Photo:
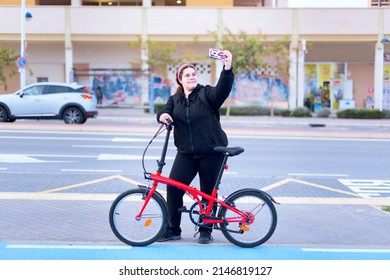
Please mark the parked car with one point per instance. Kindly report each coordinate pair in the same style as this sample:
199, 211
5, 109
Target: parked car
72, 103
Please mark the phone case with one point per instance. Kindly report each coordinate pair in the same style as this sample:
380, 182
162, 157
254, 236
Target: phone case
216, 54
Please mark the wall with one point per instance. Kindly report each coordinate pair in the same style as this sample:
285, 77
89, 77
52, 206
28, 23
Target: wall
18, 2
208, 3
362, 75
12, 80
99, 35
331, 25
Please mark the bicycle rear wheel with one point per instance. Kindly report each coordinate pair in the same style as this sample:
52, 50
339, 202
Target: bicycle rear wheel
140, 232
261, 218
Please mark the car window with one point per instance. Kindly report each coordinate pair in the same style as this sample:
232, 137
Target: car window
58, 89
35, 90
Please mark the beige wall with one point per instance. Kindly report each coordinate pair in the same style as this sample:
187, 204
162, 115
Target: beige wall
17, 2
362, 75
99, 35
12, 78
208, 3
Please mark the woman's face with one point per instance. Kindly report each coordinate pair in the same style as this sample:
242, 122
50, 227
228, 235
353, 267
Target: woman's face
189, 79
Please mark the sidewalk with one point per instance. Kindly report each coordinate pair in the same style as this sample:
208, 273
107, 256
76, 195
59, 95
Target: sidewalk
125, 120
269, 126
137, 114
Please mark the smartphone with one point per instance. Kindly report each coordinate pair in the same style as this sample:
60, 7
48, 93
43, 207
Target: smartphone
216, 54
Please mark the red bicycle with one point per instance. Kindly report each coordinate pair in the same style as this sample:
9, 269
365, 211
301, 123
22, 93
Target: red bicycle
247, 217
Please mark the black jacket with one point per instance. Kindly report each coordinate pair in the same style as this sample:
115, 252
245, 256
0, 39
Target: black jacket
197, 129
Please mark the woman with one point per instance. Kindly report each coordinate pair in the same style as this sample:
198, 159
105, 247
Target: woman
194, 110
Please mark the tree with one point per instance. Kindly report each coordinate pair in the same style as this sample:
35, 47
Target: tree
251, 53
254, 52
159, 54
7, 58
163, 54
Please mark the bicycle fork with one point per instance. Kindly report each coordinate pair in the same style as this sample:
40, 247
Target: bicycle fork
147, 196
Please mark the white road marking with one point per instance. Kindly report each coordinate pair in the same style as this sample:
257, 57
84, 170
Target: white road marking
345, 250
55, 138
307, 138
317, 174
127, 157
14, 158
112, 196
116, 147
368, 188
229, 173
57, 196
122, 139
92, 170
68, 247
31, 158
59, 156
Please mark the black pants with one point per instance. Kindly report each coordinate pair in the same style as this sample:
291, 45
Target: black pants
184, 170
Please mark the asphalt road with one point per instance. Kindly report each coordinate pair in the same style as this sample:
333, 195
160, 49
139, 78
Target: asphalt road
58, 182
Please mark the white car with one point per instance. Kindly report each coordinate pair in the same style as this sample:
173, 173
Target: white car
69, 102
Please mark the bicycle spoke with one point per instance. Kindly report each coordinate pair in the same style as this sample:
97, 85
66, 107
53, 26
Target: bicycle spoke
257, 227
133, 231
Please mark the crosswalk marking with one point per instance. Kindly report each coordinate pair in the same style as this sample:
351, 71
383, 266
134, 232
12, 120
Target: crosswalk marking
368, 188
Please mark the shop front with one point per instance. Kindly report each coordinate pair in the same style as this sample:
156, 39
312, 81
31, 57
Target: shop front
326, 87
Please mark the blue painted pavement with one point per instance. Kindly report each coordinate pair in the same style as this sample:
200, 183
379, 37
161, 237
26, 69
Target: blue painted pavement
54, 251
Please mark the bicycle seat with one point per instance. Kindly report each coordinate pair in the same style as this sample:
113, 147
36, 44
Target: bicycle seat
229, 151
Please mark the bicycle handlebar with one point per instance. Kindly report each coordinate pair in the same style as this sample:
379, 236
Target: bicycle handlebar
170, 124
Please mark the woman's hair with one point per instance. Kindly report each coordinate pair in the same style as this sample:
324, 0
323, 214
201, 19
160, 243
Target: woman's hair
179, 75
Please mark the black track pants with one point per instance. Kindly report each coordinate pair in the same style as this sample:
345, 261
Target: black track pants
184, 170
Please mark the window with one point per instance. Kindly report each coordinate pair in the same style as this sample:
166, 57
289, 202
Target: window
57, 89
380, 3
42, 79
35, 90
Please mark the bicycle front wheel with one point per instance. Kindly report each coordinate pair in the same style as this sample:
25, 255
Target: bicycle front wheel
133, 231
260, 221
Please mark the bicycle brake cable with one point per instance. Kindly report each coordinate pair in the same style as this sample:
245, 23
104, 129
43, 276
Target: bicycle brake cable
159, 131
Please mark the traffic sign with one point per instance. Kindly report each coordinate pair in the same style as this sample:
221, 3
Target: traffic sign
21, 62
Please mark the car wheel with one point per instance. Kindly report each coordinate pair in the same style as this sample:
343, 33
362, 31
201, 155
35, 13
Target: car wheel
3, 114
73, 115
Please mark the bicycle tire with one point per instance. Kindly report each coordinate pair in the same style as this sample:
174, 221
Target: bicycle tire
263, 225
138, 232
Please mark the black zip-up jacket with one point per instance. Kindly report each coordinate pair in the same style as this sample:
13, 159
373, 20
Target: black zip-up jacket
197, 129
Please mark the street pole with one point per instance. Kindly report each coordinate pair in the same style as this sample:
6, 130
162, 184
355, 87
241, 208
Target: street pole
378, 76
22, 70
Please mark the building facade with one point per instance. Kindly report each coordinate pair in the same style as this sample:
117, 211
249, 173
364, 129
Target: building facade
338, 57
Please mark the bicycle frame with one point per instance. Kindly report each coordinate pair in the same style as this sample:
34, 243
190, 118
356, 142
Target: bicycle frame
197, 196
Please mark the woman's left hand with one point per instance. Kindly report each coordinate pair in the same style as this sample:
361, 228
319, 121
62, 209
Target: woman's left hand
227, 61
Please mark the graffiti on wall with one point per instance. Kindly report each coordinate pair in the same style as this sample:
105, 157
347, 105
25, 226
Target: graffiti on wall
118, 89
122, 87
131, 87
259, 89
